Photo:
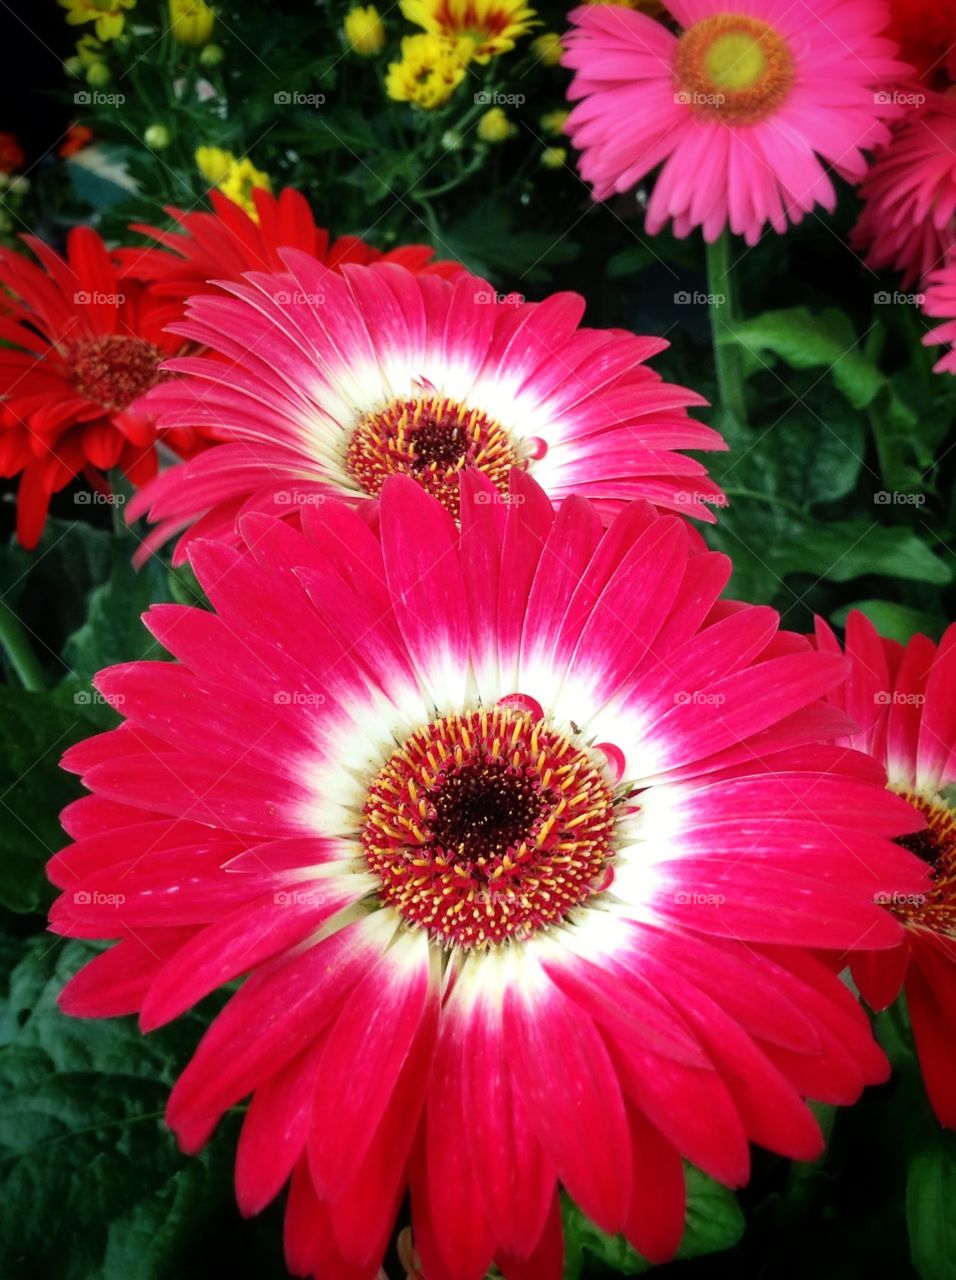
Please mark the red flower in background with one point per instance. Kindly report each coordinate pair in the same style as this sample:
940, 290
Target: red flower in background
925, 30
79, 348
11, 153
904, 700
78, 136
225, 244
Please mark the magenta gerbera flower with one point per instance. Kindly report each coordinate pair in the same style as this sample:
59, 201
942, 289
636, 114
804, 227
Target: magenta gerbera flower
904, 701
909, 212
746, 109
519, 834
332, 381
939, 303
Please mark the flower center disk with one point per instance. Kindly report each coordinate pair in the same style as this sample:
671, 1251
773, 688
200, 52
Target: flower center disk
936, 845
734, 68
488, 826
431, 439
114, 369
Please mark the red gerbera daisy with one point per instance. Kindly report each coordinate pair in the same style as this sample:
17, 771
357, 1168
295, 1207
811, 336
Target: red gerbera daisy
83, 348
519, 834
925, 30
11, 153
904, 700
223, 245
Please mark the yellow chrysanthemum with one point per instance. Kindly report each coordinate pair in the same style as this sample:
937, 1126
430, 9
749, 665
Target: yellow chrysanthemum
494, 126
481, 29
191, 22
554, 157
240, 182
547, 48
429, 72
214, 163
552, 122
108, 15
364, 30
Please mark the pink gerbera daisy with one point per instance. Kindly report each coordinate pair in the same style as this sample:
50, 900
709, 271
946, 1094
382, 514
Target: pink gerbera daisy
519, 834
910, 194
939, 303
331, 382
227, 242
904, 700
746, 108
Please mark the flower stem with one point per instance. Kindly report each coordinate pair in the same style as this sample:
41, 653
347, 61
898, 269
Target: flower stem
723, 318
13, 640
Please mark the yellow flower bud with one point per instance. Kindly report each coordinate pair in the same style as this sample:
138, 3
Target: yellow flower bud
494, 126
157, 137
98, 75
214, 163
547, 48
364, 30
191, 21
554, 157
552, 122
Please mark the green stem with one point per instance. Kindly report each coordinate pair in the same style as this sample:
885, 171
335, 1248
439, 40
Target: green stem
770, 499
723, 318
13, 639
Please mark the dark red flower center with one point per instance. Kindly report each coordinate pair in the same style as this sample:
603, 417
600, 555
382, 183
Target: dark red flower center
489, 826
733, 67
936, 845
114, 369
432, 439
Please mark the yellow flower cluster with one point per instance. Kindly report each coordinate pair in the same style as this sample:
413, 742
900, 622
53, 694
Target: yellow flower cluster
109, 15
235, 178
428, 74
456, 32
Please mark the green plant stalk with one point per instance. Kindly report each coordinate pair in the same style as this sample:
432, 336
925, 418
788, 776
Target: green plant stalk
723, 318
13, 639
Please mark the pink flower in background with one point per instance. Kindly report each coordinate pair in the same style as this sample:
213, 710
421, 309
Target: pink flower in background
520, 837
939, 303
746, 110
325, 383
909, 211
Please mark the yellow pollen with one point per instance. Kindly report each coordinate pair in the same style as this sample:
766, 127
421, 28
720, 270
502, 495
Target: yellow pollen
734, 68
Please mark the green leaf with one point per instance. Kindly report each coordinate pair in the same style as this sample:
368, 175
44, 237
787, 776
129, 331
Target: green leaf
850, 549
805, 340
892, 620
113, 630
714, 1222
931, 1209
35, 730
